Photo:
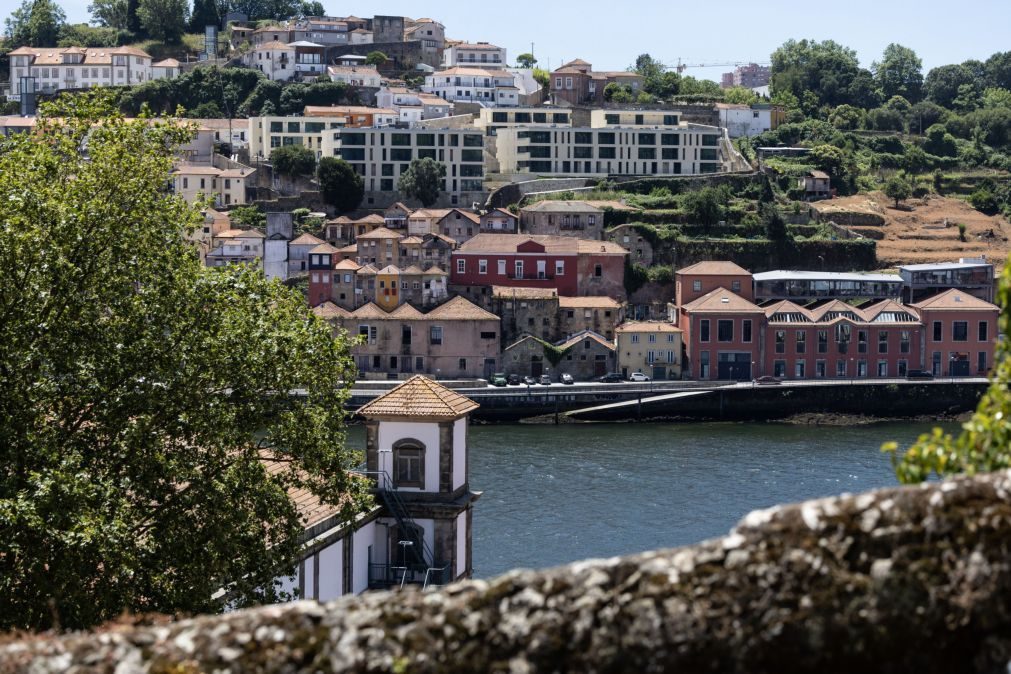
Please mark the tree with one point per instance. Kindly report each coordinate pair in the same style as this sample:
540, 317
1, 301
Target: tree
340, 184
825, 69
899, 73
311, 8
939, 142
293, 160
942, 83
205, 13
998, 70
898, 188
775, 225
164, 20
704, 207
423, 180
143, 394
995, 97
846, 117
248, 217
610, 90
542, 77
110, 13
830, 159
376, 58
740, 96
36, 23
526, 60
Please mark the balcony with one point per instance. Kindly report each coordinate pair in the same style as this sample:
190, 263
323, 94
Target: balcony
386, 576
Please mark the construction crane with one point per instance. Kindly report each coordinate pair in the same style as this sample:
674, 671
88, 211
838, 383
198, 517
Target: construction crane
681, 67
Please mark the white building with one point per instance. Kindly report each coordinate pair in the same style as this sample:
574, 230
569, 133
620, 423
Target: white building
476, 54
355, 76
490, 88
287, 61
413, 106
236, 246
314, 130
280, 232
60, 68
419, 533
225, 186
232, 131
748, 120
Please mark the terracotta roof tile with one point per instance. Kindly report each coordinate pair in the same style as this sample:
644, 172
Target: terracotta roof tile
459, 308
511, 292
647, 326
306, 240
714, 268
419, 397
722, 301
955, 299
380, 233
330, 310
588, 302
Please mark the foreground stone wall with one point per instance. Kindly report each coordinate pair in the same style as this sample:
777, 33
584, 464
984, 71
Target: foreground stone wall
900, 580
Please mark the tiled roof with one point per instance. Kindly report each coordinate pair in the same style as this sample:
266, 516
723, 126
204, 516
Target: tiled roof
788, 312
413, 269
349, 265
714, 268
406, 312
353, 248
306, 240
955, 299
412, 239
722, 301
460, 309
592, 302
380, 233
507, 243
370, 310
647, 326
343, 110
836, 307
324, 248
512, 292
241, 234
890, 311
436, 271
558, 206
473, 217
419, 397
329, 310
389, 270
586, 334
166, 63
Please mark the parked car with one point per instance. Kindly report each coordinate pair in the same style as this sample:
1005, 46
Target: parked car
611, 378
638, 377
919, 374
529, 381
514, 380
767, 380
546, 379
499, 379
567, 379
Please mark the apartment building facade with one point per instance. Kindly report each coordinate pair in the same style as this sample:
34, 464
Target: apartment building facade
491, 88
58, 68
314, 129
475, 54
653, 348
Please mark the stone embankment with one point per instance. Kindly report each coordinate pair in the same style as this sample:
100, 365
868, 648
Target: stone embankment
913, 579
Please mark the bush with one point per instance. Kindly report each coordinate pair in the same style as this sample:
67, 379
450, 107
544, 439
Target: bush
293, 160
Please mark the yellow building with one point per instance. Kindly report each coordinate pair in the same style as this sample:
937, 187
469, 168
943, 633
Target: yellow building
388, 288
650, 347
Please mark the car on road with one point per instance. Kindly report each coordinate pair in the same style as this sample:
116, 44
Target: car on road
529, 381
546, 379
567, 379
611, 378
514, 380
767, 380
499, 379
919, 374
638, 377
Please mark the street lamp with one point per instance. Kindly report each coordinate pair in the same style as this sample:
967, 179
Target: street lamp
853, 372
754, 375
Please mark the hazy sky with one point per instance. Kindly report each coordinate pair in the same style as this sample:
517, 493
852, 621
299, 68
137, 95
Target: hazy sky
611, 34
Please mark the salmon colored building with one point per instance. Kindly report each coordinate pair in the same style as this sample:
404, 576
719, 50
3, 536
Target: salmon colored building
960, 334
702, 278
722, 336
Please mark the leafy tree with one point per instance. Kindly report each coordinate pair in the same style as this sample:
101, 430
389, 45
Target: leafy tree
423, 180
376, 58
740, 96
968, 98
610, 90
542, 77
83, 35
825, 69
248, 217
644, 98
526, 60
885, 119
133, 17
775, 225
311, 8
939, 142
898, 188
995, 97
141, 392
111, 13
293, 160
36, 23
898, 104
705, 207
830, 159
622, 95
924, 115
998, 70
846, 117
205, 13
942, 83
340, 184
275, 10
899, 73
164, 20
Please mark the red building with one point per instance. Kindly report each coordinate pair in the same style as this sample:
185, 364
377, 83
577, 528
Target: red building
571, 266
722, 336
322, 260
702, 278
960, 334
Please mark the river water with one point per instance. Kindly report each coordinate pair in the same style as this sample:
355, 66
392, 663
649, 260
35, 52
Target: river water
557, 494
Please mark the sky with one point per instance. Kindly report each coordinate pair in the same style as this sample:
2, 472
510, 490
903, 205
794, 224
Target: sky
610, 35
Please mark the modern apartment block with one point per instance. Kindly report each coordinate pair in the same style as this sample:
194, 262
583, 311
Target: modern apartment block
748, 76
676, 149
493, 119
314, 130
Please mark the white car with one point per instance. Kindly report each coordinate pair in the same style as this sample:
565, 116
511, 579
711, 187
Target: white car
638, 376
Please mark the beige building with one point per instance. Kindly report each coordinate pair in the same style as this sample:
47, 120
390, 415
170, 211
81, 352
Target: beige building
563, 218
236, 246
60, 68
314, 130
492, 119
652, 348
227, 187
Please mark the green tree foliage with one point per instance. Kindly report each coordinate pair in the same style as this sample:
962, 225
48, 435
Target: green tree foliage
248, 217
205, 13
939, 142
141, 392
998, 70
899, 73
376, 58
773, 222
526, 60
258, 10
293, 160
885, 119
542, 77
740, 96
942, 83
340, 184
311, 8
996, 97
830, 159
164, 20
36, 23
846, 117
83, 35
898, 188
825, 69
706, 207
984, 444
423, 180
109, 13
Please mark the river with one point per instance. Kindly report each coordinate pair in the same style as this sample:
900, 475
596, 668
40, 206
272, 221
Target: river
557, 494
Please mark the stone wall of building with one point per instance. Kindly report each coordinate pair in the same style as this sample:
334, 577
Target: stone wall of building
897, 580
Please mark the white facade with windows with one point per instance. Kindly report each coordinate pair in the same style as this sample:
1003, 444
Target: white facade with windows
490, 88
476, 54
55, 69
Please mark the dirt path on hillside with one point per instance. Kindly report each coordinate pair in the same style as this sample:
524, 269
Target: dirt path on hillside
916, 233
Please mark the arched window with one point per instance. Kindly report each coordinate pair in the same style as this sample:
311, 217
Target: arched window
409, 463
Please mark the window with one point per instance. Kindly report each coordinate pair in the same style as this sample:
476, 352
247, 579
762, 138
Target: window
704, 365
635, 339
435, 335
883, 341
519, 268
903, 365
704, 330
981, 362
960, 331
725, 330
501, 267
861, 341
463, 364
405, 335
409, 464
735, 286
745, 331
482, 266
559, 268
882, 368
489, 335
780, 341
904, 341
799, 369
823, 341
779, 368
937, 331
984, 331
801, 341
697, 286
840, 368
598, 270
461, 266
819, 369
652, 339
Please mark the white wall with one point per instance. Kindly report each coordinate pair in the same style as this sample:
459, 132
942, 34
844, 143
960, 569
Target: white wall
310, 578
331, 571
459, 452
427, 433
461, 544
363, 538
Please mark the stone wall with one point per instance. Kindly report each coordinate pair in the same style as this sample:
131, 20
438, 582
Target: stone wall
513, 193
912, 579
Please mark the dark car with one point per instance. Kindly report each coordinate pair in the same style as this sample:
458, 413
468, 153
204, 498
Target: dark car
767, 380
611, 378
919, 374
514, 380
498, 379
529, 381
